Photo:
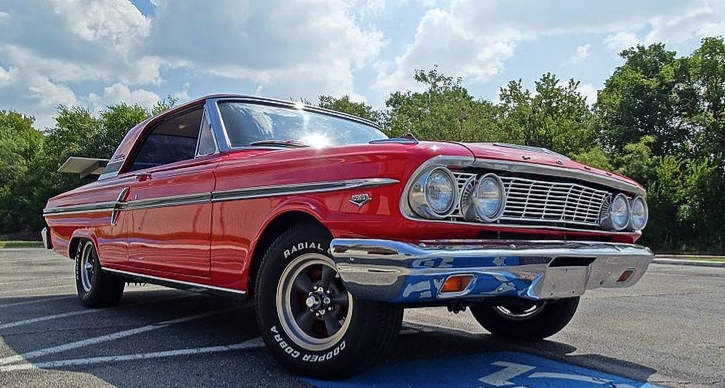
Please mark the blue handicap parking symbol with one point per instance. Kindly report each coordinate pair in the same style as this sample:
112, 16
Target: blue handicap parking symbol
499, 369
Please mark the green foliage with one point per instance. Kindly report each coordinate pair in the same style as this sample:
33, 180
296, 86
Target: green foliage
345, 105
445, 110
555, 117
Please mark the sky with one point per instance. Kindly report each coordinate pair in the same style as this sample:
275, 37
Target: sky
94, 53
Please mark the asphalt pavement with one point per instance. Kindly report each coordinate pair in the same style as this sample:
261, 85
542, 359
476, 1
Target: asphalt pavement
667, 330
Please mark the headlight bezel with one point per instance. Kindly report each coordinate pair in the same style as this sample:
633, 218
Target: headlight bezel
632, 225
418, 195
481, 214
609, 222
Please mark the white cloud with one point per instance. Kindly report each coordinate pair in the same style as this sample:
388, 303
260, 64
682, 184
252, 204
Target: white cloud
118, 93
581, 53
6, 76
589, 92
310, 47
621, 40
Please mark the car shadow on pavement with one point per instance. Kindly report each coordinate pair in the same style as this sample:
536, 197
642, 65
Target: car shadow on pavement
163, 337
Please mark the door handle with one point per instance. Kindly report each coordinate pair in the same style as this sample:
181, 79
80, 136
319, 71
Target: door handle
143, 176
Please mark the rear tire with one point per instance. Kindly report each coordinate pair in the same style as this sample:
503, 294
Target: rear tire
308, 320
523, 319
95, 287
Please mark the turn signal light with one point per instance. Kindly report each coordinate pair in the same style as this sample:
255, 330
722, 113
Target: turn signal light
456, 283
625, 275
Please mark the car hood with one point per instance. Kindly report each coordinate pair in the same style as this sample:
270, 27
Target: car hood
535, 155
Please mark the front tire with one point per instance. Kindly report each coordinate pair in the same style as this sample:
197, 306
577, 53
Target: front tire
523, 319
95, 287
308, 320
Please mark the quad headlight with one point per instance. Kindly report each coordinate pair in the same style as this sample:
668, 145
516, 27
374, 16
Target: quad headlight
619, 212
639, 214
434, 193
488, 198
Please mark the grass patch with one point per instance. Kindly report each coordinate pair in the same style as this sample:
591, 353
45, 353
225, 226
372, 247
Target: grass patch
21, 244
709, 258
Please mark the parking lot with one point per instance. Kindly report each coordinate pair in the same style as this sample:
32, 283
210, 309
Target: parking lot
667, 330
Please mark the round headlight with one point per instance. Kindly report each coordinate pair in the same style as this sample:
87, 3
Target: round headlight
639, 214
434, 193
489, 198
619, 212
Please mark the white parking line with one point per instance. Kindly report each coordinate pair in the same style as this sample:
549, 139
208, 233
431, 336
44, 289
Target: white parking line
33, 289
250, 344
65, 278
36, 301
45, 318
85, 311
106, 338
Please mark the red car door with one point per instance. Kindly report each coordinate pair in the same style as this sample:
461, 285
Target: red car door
171, 217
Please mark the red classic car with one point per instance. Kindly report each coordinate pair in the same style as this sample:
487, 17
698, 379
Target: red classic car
332, 228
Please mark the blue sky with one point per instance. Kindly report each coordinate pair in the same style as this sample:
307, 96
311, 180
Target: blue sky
94, 53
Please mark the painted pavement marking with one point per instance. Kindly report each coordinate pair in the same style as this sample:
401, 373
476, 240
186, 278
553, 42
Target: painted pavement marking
36, 301
498, 369
106, 338
81, 312
249, 344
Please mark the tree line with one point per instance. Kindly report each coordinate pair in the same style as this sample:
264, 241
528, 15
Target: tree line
660, 119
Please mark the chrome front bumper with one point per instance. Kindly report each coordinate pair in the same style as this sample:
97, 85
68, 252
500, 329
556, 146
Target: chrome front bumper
393, 271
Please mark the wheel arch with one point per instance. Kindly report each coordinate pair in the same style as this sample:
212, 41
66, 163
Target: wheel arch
275, 227
78, 236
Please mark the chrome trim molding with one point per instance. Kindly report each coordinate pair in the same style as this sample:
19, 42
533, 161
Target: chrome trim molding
528, 168
77, 209
393, 271
167, 280
302, 188
220, 196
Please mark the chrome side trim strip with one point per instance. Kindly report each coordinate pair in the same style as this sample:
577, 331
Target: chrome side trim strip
167, 280
76, 209
510, 166
228, 195
303, 188
176, 200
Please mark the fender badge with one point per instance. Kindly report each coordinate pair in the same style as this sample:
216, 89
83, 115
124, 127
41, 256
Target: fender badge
360, 199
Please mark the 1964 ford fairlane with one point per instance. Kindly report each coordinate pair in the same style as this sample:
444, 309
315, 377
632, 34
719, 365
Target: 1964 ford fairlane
332, 228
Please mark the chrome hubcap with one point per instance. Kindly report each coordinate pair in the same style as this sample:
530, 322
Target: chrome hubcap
521, 311
314, 306
88, 260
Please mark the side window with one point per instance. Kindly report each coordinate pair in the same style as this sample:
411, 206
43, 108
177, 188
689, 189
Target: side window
170, 141
206, 139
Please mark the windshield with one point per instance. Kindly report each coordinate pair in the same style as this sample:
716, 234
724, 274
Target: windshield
252, 124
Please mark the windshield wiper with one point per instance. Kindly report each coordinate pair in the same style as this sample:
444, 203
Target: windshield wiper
290, 143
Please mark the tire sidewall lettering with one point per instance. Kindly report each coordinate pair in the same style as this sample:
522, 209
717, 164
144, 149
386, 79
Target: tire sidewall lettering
303, 246
306, 357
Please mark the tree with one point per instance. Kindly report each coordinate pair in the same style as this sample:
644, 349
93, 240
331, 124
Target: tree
345, 105
555, 117
444, 111
19, 150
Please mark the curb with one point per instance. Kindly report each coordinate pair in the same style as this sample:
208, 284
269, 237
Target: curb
698, 263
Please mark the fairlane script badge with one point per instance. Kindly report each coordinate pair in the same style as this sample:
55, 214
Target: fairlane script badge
360, 199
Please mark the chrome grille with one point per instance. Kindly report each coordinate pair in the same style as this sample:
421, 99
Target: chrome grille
541, 202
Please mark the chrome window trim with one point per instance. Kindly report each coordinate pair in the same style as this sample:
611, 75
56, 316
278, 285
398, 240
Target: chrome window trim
219, 121
222, 196
528, 168
205, 118
168, 280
